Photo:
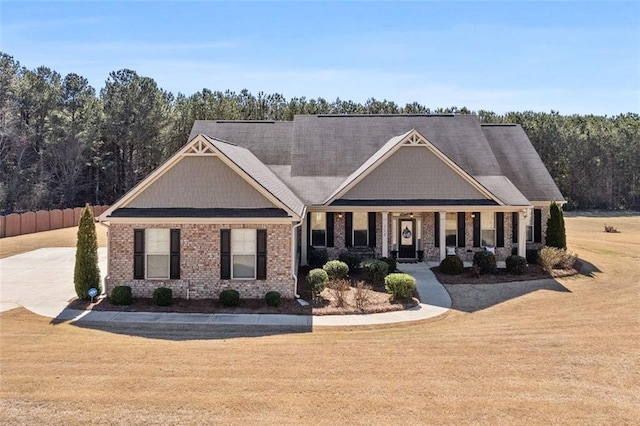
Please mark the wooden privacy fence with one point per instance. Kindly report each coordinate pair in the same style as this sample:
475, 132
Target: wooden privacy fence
43, 220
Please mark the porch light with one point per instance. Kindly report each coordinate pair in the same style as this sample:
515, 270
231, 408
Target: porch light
340, 215
411, 214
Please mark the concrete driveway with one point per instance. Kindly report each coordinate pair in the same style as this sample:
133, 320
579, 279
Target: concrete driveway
41, 280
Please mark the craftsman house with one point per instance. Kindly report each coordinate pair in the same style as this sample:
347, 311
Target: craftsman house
243, 202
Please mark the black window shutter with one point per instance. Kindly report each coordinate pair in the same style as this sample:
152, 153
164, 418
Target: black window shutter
462, 238
372, 229
174, 265
436, 230
261, 253
308, 232
138, 254
476, 229
514, 227
330, 217
499, 229
537, 225
225, 254
348, 227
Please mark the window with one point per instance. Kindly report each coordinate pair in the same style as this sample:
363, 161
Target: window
318, 229
157, 251
451, 230
488, 227
360, 229
529, 225
243, 253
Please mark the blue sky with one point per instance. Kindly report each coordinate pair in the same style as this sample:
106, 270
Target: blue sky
572, 57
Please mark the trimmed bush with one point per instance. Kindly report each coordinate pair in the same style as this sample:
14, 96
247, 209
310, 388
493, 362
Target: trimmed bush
317, 257
391, 262
451, 265
376, 270
486, 261
121, 295
272, 298
516, 265
317, 278
336, 270
229, 298
532, 256
352, 260
556, 235
162, 296
86, 274
553, 257
401, 286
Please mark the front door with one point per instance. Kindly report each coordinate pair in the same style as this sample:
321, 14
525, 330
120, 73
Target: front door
407, 249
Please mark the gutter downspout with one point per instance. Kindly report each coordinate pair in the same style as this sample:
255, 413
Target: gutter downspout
294, 273
106, 273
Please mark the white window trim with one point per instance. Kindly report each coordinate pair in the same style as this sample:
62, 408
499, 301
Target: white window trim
147, 254
255, 257
455, 229
311, 229
482, 229
530, 224
366, 229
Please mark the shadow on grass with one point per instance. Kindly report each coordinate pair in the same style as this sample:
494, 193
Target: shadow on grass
476, 297
586, 268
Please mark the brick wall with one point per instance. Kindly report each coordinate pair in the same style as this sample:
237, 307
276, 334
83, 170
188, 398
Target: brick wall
200, 262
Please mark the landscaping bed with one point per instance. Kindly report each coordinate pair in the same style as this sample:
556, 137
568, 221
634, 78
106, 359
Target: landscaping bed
532, 272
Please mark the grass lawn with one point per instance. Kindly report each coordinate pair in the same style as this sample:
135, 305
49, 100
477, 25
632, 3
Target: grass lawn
566, 352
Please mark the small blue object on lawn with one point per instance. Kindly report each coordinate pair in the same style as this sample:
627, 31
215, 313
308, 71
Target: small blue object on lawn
92, 293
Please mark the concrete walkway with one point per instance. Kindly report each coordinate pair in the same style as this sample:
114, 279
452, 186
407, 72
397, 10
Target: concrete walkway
42, 281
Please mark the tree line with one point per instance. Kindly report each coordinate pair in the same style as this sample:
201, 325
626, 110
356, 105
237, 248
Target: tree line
63, 144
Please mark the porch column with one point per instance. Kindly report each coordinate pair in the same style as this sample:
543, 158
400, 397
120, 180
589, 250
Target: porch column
385, 234
303, 242
443, 241
522, 234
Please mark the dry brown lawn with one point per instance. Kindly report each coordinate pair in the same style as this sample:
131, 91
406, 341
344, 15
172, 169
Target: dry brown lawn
65, 237
567, 354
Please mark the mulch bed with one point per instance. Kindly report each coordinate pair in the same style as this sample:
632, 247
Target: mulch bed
533, 272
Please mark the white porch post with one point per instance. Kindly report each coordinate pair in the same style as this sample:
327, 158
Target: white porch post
522, 234
385, 234
303, 242
442, 237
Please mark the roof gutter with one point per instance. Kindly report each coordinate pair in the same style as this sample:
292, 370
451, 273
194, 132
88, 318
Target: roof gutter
294, 273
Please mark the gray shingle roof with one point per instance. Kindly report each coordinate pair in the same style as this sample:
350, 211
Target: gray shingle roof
310, 189
504, 189
255, 168
521, 163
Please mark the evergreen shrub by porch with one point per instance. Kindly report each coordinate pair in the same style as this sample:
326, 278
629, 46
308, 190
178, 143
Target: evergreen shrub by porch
229, 298
451, 265
391, 262
352, 260
516, 265
86, 274
532, 256
317, 278
376, 270
121, 295
336, 269
317, 257
162, 296
556, 235
401, 286
486, 261
272, 298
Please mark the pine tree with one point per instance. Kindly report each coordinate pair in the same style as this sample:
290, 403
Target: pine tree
556, 236
87, 273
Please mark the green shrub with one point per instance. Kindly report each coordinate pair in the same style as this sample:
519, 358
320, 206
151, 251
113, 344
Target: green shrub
317, 278
532, 256
391, 262
553, 257
86, 274
556, 235
162, 296
121, 295
376, 270
401, 286
229, 298
336, 270
476, 271
272, 298
486, 261
317, 257
352, 260
516, 265
451, 265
